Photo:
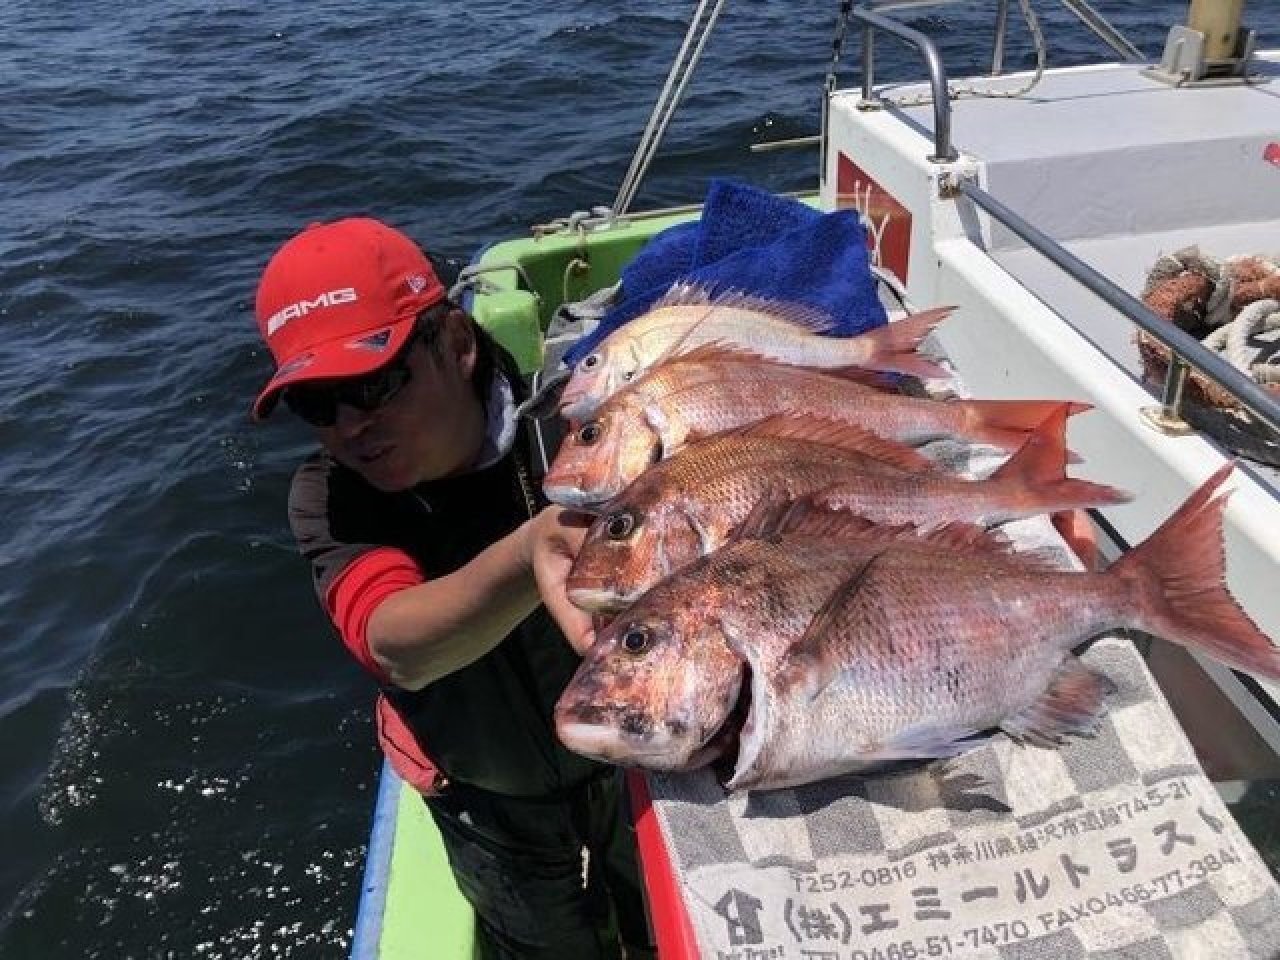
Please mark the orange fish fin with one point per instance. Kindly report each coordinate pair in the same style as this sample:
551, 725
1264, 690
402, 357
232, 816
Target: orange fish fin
1182, 594
872, 379
966, 538
894, 346
1071, 704
1006, 423
844, 436
799, 315
1038, 471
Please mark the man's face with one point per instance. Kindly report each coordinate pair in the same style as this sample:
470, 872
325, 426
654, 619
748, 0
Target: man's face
432, 427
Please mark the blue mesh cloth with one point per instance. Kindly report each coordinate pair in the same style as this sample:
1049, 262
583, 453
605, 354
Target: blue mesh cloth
754, 242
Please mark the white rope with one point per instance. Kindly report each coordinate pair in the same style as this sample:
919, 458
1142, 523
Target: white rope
1246, 336
668, 99
1232, 340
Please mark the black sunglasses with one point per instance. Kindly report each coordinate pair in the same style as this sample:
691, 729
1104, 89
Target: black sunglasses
317, 403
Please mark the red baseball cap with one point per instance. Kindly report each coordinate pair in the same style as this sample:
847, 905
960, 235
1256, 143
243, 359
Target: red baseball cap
340, 300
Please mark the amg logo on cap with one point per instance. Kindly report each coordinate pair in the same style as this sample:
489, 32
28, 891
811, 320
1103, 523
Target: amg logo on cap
300, 309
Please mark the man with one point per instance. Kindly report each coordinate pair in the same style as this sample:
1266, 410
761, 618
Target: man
424, 523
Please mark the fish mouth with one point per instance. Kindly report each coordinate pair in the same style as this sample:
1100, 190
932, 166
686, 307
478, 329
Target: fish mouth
576, 404
602, 741
569, 495
590, 596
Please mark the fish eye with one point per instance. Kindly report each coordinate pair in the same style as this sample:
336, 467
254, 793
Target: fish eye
589, 433
620, 525
590, 361
637, 640
629, 375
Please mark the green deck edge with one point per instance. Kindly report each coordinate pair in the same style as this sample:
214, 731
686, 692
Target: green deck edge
425, 915
571, 263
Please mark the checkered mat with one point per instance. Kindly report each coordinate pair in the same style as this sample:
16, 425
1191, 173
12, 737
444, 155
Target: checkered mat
1107, 848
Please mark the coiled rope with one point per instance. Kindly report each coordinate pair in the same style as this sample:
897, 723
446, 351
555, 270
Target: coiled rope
1232, 305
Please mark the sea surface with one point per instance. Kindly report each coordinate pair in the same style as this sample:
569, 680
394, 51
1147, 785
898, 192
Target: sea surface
187, 767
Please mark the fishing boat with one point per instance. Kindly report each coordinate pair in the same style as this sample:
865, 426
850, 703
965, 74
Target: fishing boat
1039, 203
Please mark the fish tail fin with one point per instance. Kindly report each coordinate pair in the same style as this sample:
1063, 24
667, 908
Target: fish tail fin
1180, 572
1006, 423
893, 346
1037, 472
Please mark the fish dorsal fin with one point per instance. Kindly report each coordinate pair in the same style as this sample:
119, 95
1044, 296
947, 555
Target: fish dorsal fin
1071, 704
798, 315
684, 294
966, 538
812, 319
776, 514
844, 436
973, 539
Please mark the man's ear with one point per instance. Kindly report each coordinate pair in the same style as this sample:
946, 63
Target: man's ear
461, 341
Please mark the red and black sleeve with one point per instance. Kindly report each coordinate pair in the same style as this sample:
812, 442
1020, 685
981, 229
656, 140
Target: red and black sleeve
350, 577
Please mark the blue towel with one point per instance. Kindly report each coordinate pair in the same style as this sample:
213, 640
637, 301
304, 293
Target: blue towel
753, 242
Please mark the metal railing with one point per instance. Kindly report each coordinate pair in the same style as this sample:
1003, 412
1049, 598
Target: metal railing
872, 19
1185, 352
1092, 20
943, 151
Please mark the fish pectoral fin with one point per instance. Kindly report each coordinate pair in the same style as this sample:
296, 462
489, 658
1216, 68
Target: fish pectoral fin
808, 667
1071, 704
672, 435
928, 741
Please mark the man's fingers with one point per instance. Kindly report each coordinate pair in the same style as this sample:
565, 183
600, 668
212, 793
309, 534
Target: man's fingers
575, 624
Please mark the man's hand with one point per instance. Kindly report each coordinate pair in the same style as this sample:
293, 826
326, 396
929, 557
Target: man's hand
555, 536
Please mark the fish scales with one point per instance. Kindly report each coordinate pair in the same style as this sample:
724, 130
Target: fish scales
686, 671
688, 505
711, 390
763, 591
891, 645
912, 650
690, 317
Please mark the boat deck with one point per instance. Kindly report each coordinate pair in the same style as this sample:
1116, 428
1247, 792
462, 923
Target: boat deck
1126, 203
1117, 168
1108, 192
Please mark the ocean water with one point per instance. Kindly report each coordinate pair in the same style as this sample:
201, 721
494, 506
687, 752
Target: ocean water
186, 758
